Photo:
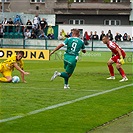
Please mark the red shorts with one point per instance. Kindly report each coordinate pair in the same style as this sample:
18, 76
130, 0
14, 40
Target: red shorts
116, 58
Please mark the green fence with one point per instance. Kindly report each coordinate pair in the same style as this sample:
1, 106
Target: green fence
51, 44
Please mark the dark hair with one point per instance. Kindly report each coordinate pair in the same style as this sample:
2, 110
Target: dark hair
106, 36
21, 52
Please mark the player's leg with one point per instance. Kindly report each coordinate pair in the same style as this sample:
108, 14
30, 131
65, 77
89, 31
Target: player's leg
69, 70
121, 71
6, 76
66, 74
69, 67
118, 66
111, 69
56, 74
6, 79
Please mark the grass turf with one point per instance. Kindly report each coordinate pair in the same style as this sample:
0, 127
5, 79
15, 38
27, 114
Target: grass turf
79, 117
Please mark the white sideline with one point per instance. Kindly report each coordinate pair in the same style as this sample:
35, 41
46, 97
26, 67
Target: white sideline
62, 104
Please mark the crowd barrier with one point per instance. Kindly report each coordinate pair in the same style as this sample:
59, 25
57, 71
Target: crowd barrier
51, 44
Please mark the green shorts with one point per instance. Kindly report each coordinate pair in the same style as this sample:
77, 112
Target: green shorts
69, 63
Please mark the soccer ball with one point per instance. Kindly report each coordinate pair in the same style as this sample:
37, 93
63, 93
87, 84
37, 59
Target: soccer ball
15, 79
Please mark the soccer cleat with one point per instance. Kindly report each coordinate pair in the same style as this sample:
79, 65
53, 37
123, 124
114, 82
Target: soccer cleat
112, 77
124, 79
55, 75
66, 86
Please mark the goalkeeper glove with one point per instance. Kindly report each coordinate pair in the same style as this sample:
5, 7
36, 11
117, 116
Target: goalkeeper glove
122, 60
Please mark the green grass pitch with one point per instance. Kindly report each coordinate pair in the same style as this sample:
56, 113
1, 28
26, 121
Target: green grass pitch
42, 106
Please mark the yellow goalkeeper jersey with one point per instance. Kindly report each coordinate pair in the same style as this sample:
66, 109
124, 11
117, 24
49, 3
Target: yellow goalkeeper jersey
8, 64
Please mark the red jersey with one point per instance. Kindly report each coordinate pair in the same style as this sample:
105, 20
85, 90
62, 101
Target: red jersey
112, 46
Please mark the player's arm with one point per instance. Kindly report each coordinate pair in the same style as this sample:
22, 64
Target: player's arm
57, 48
22, 76
21, 71
113, 54
120, 54
119, 51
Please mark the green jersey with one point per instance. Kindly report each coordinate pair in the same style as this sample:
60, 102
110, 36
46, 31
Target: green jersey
74, 45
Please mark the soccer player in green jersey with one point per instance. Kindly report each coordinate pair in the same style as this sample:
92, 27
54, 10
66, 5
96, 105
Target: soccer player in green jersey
74, 45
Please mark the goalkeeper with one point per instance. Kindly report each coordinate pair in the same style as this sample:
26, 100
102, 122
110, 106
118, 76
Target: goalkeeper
6, 67
118, 56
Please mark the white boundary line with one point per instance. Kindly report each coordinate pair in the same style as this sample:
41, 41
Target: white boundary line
63, 104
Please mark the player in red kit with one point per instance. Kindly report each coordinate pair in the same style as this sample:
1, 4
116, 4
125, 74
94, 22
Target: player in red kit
118, 56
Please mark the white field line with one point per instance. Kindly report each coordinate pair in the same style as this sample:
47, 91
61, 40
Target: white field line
63, 104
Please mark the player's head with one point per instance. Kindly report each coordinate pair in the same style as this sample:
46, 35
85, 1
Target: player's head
20, 55
105, 39
75, 33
